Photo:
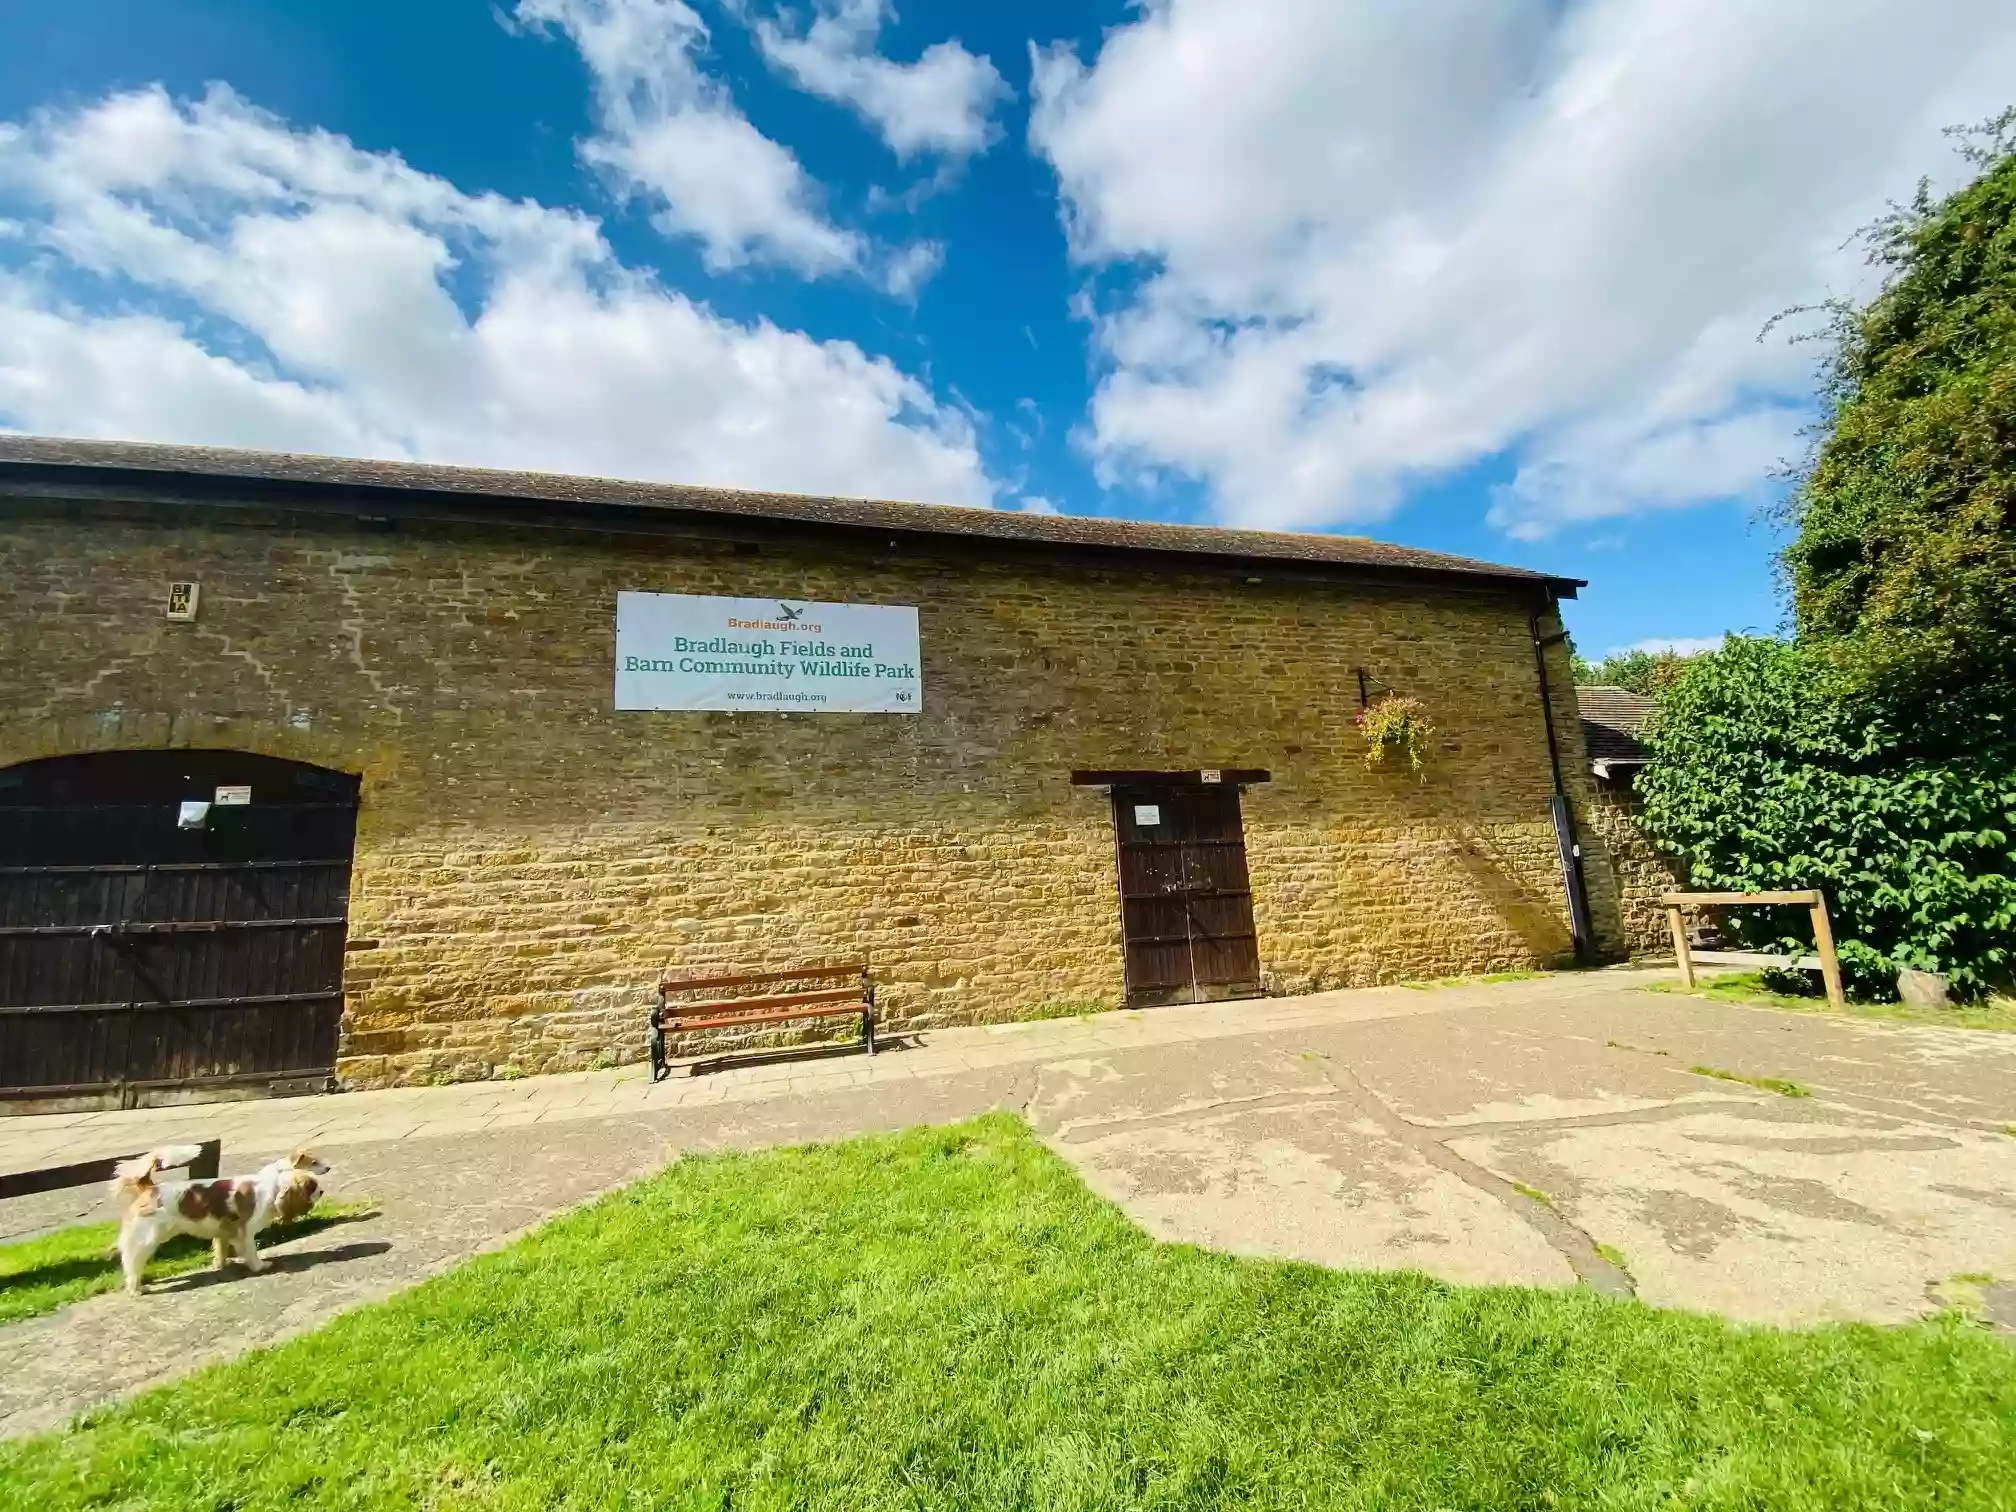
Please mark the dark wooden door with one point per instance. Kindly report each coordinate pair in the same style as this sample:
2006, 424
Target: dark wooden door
1186, 906
138, 955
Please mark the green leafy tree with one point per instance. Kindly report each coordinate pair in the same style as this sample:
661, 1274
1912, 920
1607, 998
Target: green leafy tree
1763, 778
1903, 569
1647, 672
1875, 756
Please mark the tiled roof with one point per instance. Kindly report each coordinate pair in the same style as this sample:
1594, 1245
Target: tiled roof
1613, 719
42, 455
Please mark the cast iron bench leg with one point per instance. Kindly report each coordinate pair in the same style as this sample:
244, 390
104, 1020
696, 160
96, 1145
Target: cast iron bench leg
658, 1068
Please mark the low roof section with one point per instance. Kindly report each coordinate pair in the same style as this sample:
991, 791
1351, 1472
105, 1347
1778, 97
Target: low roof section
1614, 721
54, 468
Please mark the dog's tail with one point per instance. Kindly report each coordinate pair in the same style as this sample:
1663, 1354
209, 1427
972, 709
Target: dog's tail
132, 1186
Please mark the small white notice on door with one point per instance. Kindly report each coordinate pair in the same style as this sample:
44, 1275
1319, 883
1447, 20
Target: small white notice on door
233, 797
1146, 814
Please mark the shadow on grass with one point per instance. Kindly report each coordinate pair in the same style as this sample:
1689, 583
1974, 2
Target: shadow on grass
41, 1275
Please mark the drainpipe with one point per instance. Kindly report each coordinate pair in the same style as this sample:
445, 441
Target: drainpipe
1564, 815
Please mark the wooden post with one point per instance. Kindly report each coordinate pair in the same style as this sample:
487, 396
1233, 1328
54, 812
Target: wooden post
1680, 952
1830, 964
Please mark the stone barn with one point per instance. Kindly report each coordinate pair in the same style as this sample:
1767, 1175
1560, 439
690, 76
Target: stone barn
319, 772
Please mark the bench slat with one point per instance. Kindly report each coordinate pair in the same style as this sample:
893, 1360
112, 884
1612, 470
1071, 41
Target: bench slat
758, 978
776, 1016
759, 1004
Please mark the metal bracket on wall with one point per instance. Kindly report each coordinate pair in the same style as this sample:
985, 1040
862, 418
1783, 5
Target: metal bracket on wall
1366, 683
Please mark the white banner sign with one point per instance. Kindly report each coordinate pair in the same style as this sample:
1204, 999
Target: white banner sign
681, 651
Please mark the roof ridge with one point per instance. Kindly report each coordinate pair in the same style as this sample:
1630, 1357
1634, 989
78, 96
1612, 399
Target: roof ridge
19, 451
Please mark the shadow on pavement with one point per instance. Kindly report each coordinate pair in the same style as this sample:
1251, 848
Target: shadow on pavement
362, 1249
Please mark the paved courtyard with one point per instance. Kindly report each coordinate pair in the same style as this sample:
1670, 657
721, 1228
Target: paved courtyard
1538, 1132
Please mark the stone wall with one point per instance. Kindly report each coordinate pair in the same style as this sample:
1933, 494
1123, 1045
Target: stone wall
1642, 871
529, 860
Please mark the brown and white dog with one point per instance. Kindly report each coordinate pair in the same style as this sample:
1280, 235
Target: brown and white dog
230, 1212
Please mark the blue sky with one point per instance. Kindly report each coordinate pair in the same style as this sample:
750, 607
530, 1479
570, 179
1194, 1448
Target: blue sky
1484, 277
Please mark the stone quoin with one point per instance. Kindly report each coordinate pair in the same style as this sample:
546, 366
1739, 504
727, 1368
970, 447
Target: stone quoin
529, 857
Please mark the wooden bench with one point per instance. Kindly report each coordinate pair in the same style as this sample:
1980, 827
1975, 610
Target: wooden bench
202, 1161
753, 1012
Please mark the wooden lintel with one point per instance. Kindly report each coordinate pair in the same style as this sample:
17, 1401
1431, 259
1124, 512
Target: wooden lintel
1226, 777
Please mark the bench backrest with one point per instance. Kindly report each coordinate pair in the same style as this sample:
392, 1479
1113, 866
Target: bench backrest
669, 983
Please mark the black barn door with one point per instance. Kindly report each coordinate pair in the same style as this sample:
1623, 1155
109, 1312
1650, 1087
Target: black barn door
1186, 906
142, 954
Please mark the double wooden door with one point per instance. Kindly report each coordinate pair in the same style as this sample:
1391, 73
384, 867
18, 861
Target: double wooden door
1186, 904
147, 949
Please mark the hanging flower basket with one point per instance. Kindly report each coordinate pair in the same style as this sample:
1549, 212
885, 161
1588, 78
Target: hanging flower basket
1396, 726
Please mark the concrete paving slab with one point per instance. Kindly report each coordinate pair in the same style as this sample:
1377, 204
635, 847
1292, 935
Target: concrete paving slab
1481, 1068
1113, 1086
1794, 1215
1306, 1180
1267, 1146
1962, 1074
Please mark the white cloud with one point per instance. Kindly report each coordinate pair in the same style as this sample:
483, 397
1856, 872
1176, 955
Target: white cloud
1405, 239
1037, 504
914, 266
1676, 645
204, 273
674, 136
942, 103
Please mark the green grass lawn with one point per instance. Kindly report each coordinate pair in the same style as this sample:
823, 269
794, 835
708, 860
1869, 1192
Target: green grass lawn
40, 1275
1748, 987
948, 1319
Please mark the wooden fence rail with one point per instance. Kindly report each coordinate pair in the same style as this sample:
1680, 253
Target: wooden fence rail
1823, 933
202, 1161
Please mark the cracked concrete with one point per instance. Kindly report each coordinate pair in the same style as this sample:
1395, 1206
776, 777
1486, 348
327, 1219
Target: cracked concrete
1542, 1133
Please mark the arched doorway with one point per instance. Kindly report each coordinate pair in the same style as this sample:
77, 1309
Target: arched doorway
171, 922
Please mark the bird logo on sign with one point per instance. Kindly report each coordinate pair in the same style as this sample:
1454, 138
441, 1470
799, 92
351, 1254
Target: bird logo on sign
787, 614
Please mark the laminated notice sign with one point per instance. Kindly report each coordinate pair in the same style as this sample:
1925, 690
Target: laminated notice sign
747, 656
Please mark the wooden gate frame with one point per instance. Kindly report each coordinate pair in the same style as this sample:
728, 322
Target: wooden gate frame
1827, 961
